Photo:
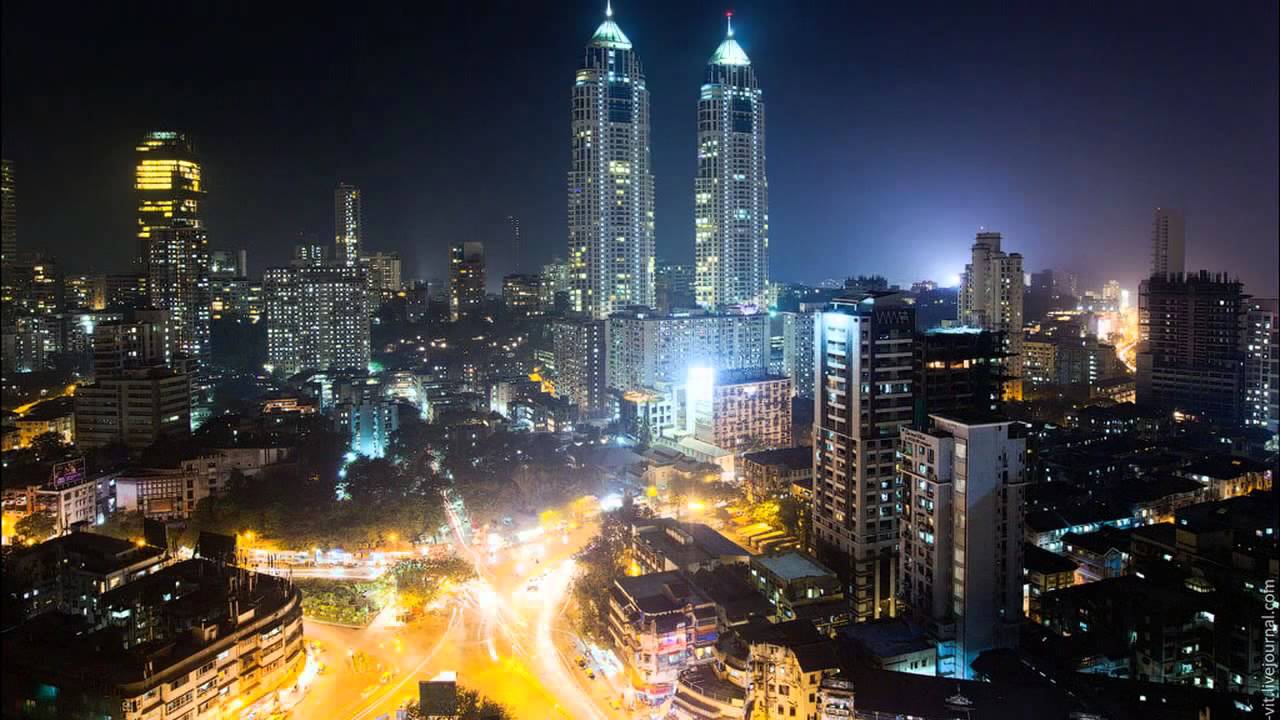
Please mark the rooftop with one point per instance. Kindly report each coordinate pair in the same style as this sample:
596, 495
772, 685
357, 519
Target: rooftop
610, 35
41, 645
792, 565
898, 694
793, 458
97, 554
1224, 467
729, 52
685, 543
1037, 559
49, 410
744, 376
887, 638
973, 416
1100, 542
657, 593
729, 589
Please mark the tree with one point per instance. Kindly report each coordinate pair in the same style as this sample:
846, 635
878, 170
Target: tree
48, 446
123, 524
36, 527
601, 563
471, 706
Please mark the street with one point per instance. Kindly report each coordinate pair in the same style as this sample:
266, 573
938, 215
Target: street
506, 636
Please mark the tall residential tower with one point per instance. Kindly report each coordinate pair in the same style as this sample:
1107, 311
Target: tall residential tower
466, 280
864, 396
731, 192
610, 188
8, 211
991, 295
348, 224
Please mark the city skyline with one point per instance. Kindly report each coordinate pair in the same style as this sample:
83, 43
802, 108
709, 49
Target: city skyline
623, 362
1026, 145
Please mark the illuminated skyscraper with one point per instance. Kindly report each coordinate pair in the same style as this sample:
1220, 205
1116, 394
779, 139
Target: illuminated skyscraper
991, 295
348, 224
466, 280
178, 281
8, 210
865, 395
1262, 363
167, 180
610, 193
317, 317
731, 192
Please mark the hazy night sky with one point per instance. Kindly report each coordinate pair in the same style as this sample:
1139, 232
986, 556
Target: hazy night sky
894, 130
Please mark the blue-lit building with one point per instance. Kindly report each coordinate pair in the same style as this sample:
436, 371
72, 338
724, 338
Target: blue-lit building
731, 192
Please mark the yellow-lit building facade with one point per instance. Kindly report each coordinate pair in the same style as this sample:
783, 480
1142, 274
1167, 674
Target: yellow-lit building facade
168, 183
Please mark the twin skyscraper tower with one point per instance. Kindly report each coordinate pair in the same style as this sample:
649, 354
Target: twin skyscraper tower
611, 193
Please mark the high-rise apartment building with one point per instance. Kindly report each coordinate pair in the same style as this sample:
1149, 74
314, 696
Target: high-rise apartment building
956, 369
168, 185
555, 285
348, 224
738, 410
178, 283
141, 393
1262, 363
962, 487
8, 210
610, 187
466, 280
126, 290
1168, 243
673, 285
579, 347
1190, 357
647, 348
282, 311
317, 317
522, 295
229, 263
383, 273
865, 380
731, 191
991, 295
797, 348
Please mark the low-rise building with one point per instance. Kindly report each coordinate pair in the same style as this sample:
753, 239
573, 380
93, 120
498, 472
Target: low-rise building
660, 624
194, 641
801, 588
663, 544
1098, 555
70, 573
739, 409
788, 663
170, 490
51, 416
1228, 476
1043, 572
769, 474
893, 644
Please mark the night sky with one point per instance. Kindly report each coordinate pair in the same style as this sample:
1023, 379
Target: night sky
895, 130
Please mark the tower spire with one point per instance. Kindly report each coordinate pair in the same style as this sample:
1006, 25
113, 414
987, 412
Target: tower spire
728, 21
608, 8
